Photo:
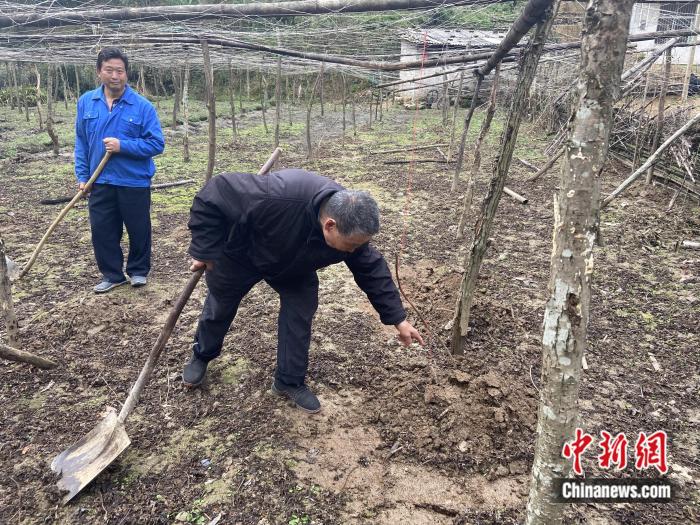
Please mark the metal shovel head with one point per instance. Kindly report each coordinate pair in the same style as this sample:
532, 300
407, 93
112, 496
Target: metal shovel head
80, 463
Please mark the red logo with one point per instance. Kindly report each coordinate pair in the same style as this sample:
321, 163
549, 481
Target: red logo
649, 451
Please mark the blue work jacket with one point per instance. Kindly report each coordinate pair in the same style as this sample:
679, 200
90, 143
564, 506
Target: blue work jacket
134, 121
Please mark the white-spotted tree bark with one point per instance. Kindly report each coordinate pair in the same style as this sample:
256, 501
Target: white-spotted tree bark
576, 211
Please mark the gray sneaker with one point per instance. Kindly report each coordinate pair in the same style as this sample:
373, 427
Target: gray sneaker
137, 281
301, 396
194, 372
106, 286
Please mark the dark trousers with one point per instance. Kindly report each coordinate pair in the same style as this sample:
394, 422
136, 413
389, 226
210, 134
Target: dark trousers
228, 283
112, 208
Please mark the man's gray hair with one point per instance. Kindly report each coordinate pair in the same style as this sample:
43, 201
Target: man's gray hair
355, 212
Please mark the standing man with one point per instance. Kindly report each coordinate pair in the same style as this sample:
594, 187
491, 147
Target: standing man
115, 118
281, 228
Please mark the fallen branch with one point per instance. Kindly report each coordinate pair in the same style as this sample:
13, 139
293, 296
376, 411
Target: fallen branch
690, 245
417, 161
544, 169
61, 200
403, 150
20, 356
651, 160
517, 197
527, 164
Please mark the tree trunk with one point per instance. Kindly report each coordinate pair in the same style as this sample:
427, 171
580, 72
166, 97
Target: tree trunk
321, 87
528, 69
485, 126
64, 81
465, 131
263, 101
278, 101
309, 148
232, 100
49, 109
177, 79
288, 97
660, 114
454, 116
247, 83
38, 97
10, 91
445, 100
576, 213
345, 100
17, 87
353, 112
211, 106
6, 306
186, 113
77, 82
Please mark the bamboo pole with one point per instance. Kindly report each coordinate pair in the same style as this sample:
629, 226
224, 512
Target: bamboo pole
211, 106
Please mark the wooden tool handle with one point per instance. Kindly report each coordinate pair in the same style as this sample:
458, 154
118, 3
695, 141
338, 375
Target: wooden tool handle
63, 213
157, 349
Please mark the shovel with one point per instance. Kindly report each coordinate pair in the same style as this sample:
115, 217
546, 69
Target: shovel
80, 463
58, 219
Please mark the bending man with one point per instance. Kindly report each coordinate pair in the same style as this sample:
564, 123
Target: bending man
281, 228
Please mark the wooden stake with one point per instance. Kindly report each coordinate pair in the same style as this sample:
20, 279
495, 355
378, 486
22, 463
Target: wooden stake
660, 113
49, 109
321, 87
476, 166
309, 149
454, 115
38, 97
263, 100
528, 69
186, 113
278, 101
232, 100
211, 106
177, 79
465, 131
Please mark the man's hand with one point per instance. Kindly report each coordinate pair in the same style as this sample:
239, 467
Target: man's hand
112, 144
407, 334
81, 187
198, 265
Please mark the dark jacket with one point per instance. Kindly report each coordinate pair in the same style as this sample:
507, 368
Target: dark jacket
270, 223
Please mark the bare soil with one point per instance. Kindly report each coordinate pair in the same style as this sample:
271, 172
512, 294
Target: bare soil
406, 435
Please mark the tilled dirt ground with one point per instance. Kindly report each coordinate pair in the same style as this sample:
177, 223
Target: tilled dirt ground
406, 435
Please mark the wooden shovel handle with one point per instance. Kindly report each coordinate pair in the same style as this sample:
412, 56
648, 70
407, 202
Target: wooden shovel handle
63, 213
157, 349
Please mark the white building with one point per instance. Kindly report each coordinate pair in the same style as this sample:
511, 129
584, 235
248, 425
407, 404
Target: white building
427, 84
664, 16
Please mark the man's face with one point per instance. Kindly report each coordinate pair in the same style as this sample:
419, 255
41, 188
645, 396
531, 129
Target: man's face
112, 74
343, 243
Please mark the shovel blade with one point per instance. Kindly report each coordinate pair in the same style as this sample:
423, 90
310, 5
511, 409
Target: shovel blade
80, 463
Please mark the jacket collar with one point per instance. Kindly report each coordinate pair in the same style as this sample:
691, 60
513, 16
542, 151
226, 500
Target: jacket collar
129, 96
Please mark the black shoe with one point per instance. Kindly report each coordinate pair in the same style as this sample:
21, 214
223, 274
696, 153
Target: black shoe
302, 397
194, 372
